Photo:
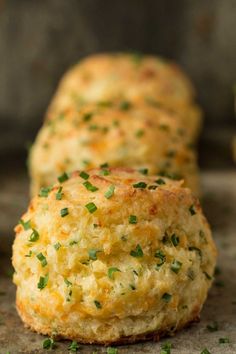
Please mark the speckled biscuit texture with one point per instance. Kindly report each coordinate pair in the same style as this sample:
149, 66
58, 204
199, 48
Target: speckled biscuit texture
112, 256
122, 134
105, 77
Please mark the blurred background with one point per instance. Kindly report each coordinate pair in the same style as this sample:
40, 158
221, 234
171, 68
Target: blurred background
39, 40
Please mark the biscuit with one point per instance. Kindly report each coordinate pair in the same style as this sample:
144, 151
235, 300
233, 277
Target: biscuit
122, 134
105, 77
112, 256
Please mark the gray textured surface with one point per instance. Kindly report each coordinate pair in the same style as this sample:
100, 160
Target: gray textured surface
40, 39
219, 201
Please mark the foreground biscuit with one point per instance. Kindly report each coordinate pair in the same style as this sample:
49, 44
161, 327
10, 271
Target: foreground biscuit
122, 134
112, 256
108, 77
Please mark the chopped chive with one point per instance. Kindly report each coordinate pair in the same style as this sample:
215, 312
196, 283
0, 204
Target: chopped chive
192, 210
138, 252
133, 219
205, 351
97, 304
105, 172
84, 175
159, 254
124, 237
57, 246
29, 254
112, 350
43, 282
42, 259
64, 177
67, 282
139, 133
59, 194
87, 116
166, 297
73, 242
44, 191
166, 348
49, 343
141, 185
144, 171
111, 271
175, 266
160, 181
109, 193
26, 224
93, 127
213, 327
125, 105
207, 276
34, 236
90, 187
93, 254
91, 207
175, 240
73, 347
224, 340
104, 165
64, 212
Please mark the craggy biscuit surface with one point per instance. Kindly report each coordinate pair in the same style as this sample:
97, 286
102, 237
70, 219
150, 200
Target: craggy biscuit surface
112, 255
105, 77
137, 135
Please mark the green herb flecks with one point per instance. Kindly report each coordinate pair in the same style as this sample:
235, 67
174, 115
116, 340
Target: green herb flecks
97, 304
125, 105
84, 175
175, 240
110, 192
144, 171
64, 212
90, 187
212, 327
34, 236
49, 343
176, 266
91, 207
43, 281
73, 347
64, 177
57, 246
160, 181
137, 252
160, 255
93, 254
133, 219
166, 348
59, 194
166, 297
111, 272
42, 259
44, 191
141, 185
26, 224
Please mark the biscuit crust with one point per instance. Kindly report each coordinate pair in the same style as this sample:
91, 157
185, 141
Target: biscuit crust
120, 76
139, 135
125, 258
